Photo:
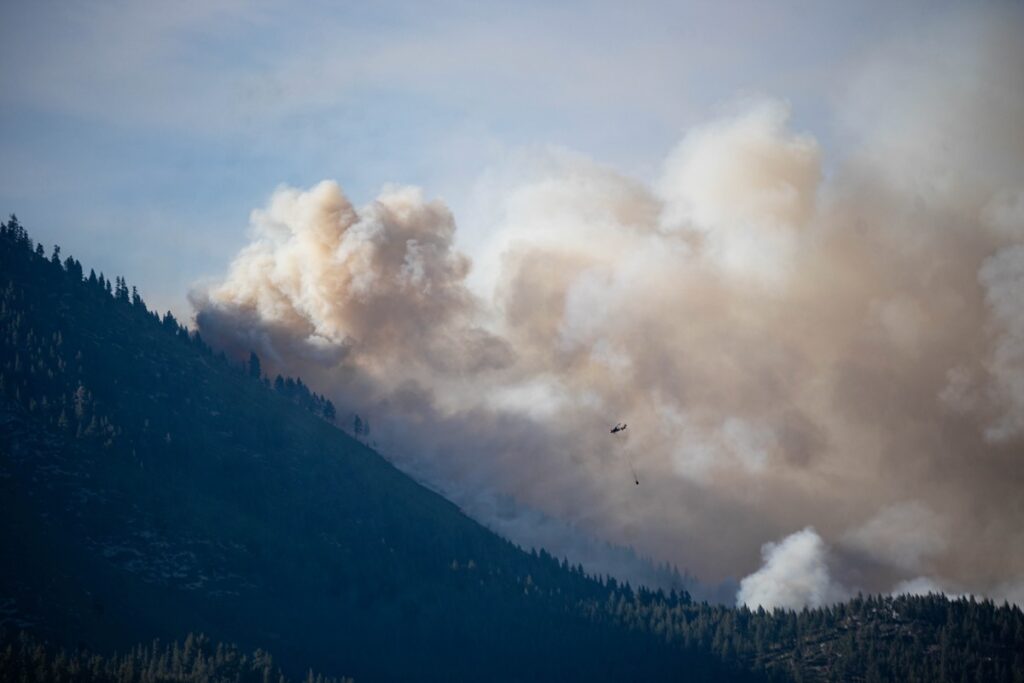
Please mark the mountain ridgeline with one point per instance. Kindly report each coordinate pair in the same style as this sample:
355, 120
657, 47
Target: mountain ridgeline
151, 488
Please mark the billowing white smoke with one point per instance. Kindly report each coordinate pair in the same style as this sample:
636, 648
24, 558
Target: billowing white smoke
788, 346
795, 574
798, 572
746, 186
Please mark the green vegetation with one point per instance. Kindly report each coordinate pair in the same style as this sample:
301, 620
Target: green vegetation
151, 488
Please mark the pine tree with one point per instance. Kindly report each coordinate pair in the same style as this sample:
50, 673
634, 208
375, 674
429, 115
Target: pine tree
254, 365
137, 299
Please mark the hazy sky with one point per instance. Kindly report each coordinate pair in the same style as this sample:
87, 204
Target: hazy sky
784, 241
141, 135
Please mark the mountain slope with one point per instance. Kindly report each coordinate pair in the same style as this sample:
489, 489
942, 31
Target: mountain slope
150, 488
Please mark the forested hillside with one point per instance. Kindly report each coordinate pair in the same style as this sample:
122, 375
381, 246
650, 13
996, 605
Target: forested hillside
195, 660
151, 488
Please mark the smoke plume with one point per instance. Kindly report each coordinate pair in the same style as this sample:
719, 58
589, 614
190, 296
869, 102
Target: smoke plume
795, 574
796, 336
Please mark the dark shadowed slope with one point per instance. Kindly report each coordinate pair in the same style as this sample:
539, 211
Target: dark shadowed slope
152, 489
149, 488
194, 660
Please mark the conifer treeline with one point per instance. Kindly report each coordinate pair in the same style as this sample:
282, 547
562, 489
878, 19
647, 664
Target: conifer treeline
907, 638
291, 388
23, 659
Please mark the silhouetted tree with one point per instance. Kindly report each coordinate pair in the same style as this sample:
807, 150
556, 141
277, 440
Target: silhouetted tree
137, 299
254, 365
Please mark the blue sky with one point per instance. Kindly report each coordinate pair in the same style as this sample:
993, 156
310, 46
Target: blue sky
140, 135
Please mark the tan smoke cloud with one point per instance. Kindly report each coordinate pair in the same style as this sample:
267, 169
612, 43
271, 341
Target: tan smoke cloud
381, 288
904, 535
789, 347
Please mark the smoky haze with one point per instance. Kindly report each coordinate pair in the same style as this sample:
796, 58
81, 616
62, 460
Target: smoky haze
823, 359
